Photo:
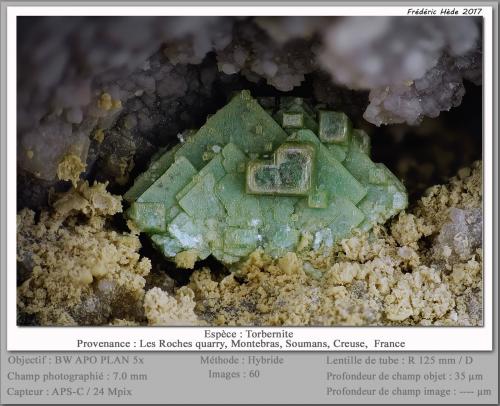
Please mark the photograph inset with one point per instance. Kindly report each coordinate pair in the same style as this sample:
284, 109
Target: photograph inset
257, 171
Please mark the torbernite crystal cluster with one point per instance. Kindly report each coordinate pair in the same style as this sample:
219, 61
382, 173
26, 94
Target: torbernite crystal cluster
273, 174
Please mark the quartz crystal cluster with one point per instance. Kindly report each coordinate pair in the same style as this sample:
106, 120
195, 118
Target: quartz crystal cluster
108, 91
280, 176
462, 236
413, 67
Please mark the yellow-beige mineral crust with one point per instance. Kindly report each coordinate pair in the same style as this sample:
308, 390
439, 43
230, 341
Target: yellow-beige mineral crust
79, 266
391, 277
80, 271
70, 168
163, 309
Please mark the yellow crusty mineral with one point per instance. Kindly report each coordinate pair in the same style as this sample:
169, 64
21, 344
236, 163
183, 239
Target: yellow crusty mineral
123, 323
106, 102
70, 168
408, 229
93, 201
99, 135
116, 104
163, 309
186, 259
77, 262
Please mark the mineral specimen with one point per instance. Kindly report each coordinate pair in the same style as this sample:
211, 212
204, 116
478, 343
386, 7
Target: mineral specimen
73, 268
389, 277
243, 181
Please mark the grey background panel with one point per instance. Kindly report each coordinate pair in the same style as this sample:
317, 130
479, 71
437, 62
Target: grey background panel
252, 378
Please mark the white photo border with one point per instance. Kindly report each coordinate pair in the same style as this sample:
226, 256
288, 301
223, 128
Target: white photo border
21, 338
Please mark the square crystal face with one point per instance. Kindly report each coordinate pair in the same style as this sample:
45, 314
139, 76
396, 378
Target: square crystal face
149, 217
290, 172
293, 120
334, 127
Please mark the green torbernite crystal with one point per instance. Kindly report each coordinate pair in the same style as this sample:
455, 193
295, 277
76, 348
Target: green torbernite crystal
275, 179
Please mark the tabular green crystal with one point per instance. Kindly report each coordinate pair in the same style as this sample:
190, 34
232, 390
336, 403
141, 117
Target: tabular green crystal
254, 178
288, 173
